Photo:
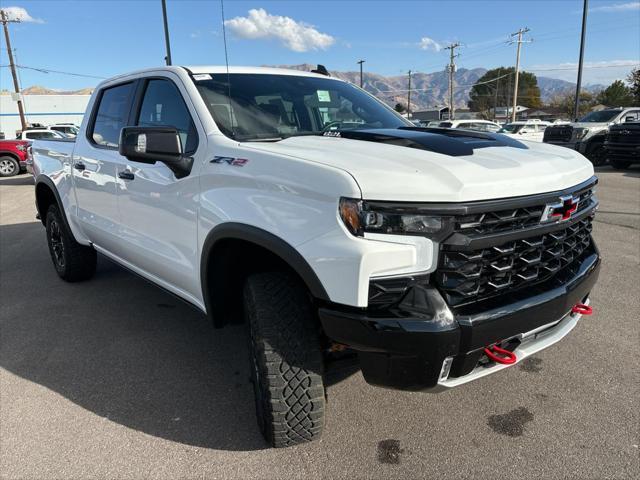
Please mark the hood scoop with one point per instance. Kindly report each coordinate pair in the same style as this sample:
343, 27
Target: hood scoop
447, 141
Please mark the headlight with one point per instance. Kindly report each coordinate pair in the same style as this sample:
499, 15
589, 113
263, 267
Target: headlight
581, 133
360, 217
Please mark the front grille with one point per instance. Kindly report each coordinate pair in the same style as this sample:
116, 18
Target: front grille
470, 276
558, 134
512, 219
617, 137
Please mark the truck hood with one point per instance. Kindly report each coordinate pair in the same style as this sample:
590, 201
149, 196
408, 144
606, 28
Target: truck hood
399, 173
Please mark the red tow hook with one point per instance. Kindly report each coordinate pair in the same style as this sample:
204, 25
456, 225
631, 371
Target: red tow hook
505, 356
582, 309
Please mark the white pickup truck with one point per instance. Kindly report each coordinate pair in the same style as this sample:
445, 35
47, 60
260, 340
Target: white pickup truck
302, 206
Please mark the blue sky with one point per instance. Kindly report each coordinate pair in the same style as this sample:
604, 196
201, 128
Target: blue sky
103, 38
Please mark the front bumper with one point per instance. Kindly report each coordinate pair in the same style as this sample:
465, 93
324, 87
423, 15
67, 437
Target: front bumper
411, 353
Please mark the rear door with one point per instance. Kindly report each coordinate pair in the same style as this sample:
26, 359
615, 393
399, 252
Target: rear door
95, 161
158, 211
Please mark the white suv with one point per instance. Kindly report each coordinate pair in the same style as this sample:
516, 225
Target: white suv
304, 207
532, 130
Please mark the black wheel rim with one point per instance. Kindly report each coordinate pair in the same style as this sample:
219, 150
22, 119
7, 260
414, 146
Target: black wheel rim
56, 242
257, 384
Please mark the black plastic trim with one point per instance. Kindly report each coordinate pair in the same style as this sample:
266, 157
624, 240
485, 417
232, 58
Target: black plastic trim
263, 239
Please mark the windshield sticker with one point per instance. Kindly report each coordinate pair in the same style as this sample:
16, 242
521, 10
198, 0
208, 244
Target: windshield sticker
324, 96
201, 76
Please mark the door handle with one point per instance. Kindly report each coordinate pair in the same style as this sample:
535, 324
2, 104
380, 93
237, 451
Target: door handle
79, 166
126, 175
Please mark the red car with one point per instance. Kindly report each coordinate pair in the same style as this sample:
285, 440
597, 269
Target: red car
13, 157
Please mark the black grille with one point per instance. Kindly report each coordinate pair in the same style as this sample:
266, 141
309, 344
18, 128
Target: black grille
558, 134
618, 137
511, 219
470, 276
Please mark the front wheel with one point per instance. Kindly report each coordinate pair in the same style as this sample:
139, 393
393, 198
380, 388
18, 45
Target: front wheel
9, 166
286, 359
598, 155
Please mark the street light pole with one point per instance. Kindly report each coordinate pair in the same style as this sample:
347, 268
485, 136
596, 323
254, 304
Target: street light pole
360, 62
409, 98
167, 58
576, 107
5, 20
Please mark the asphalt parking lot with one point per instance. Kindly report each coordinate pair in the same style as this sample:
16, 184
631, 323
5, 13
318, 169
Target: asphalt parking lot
115, 378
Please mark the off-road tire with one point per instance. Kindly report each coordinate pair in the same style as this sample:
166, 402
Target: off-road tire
286, 359
73, 262
620, 164
9, 166
597, 155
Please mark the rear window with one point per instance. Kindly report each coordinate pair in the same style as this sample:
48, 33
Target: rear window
112, 115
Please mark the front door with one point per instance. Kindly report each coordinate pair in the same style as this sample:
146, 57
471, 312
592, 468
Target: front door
158, 211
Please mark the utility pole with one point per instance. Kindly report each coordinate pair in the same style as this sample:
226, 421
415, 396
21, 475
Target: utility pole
452, 71
409, 97
12, 65
495, 99
360, 62
519, 33
576, 108
167, 58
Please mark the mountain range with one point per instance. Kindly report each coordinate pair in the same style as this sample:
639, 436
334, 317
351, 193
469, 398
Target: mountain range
428, 90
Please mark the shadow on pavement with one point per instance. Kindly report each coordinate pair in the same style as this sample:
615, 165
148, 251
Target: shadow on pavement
123, 349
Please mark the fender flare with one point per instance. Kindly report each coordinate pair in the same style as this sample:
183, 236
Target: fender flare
43, 179
264, 239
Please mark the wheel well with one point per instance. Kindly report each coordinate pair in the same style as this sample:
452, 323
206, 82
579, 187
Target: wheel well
44, 199
230, 261
10, 154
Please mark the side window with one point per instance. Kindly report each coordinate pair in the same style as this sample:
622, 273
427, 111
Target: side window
632, 116
163, 106
112, 115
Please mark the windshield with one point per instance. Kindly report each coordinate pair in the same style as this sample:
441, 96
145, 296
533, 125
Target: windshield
511, 128
273, 107
600, 117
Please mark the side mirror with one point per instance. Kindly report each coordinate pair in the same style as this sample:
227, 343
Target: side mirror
155, 144
629, 118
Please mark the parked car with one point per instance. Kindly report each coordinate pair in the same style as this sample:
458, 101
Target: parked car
69, 129
328, 224
13, 157
588, 134
41, 133
478, 125
623, 145
532, 130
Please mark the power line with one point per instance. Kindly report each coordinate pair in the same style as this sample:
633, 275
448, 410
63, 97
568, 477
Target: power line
46, 70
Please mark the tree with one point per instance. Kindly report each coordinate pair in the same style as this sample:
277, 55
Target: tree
400, 108
566, 103
634, 81
616, 95
483, 96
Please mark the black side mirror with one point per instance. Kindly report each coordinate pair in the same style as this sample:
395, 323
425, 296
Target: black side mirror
629, 118
155, 144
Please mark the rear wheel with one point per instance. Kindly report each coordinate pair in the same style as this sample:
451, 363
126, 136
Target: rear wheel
620, 164
286, 359
9, 166
73, 262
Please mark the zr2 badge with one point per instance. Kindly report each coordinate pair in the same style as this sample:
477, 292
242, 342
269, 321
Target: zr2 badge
233, 161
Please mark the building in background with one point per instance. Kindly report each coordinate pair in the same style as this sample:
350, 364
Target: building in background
41, 109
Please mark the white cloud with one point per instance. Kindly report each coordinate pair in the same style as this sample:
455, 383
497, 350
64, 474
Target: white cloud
427, 43
296, 36
20, 14
617, 7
